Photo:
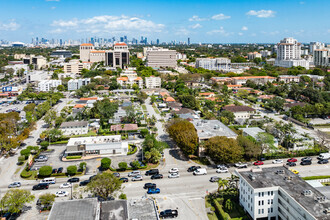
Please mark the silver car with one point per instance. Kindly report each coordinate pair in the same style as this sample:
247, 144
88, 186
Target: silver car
137, 178
14, 185
134, 173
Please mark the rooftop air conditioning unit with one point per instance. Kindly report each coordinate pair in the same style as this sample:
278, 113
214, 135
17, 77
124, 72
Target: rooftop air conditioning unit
280, 172
288, 178
252, 177
307, 192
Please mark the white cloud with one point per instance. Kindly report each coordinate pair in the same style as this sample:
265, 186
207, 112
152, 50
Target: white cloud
182, 31
244, 28
196, 18
240, 34
262, 13
11, 26
195, 26
220, 31
220, 17
53, 8
107, 24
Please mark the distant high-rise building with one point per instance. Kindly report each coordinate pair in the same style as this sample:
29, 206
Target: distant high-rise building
188, 40
315, 45
121, 39
157, 41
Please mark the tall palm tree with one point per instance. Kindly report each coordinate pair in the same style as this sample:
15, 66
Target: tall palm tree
222, 184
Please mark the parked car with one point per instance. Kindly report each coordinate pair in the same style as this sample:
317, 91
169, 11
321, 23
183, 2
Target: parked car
221, 165
174, 175
39, 141
152, 172
277, 161
294, 171
258, 163
60, 170
137, 178
291, 164
292, 160
306, 159
168, 213
241, 165
124, 179
193, 168
153, 190
40, 186
73, 180
201, 171
222, 170
91, 177
41, 158
173, 170
214, 179
306, 162
157, 176
14, 185
54, 171
134, 173
116, 174
84, 183
324, 161
149, 185
65, 185
61, 194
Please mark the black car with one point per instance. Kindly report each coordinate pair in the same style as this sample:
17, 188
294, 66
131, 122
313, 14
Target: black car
291, 164
323, 161
40, 186
214, 179
84, 183
54, 171
124, 179
306, 159
60, 170
149, 185
152, 172
193, 168
157, 176
116, 174
169, 213
39, 141
306, 162
73, 180
91, 177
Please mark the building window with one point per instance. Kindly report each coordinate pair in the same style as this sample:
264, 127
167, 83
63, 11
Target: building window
272, 192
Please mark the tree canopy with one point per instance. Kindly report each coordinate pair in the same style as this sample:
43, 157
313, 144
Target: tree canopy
104, 185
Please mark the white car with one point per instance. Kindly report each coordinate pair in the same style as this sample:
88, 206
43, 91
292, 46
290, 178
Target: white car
14, 185
222, 170
241, 165
65, 185
277, 161
137, 178
61, 194
174, 170
174, 175
134, 173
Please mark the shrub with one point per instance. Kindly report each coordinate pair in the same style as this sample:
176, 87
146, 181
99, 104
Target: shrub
26, 174
25, 153
144, 132
71, 170
58, 174
45, 171
123, 196
105, 163
135, 164
82, 165
44, 145
133, 151
60, 142
315, 177
218, 208
73, 157
21, 159
122, 165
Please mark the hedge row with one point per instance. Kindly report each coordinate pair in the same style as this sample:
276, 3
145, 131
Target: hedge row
128, 168
132, 152
73, 157
302, 153
60, 142
315, 177
26, 174
220, 212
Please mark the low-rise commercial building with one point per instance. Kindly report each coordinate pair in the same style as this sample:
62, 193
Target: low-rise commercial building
256, 79
221, 63
36, 76
289, 78
61, 53
74, 84
153, 82
253, 55
128, 82
74, 66
74, 128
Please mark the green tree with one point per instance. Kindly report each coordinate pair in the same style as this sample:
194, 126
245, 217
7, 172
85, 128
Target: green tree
135, 164
104, 185
105, 163
276, 103
25, 153
50, 117
47, 199
266, 141
122, 196
153, 156
44, 145
122, 165
184, 134
71, 170
60, 88
223, 150
189, 101
142, 96
227, 117
144, 132
45, 171
82, 165
251, 149
153, 99
229, 203
15, 199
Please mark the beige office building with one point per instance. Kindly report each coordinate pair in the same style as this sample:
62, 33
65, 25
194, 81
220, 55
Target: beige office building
160, 57
85, 50
75, 67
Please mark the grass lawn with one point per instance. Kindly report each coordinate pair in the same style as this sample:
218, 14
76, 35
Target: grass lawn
144, 107
200, 160
156, 110
212, 216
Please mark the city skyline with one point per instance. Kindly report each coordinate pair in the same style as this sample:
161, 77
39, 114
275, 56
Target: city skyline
210, 21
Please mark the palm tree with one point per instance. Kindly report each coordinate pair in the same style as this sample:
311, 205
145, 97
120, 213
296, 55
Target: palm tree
222, 184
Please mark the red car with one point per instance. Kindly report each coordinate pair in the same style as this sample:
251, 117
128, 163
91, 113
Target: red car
292, 160
258, 163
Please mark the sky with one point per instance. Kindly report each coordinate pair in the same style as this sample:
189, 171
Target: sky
205, 21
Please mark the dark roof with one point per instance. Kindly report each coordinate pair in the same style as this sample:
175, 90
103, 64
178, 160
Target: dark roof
114, 210
174, 104
238, 108
74, 124
290, 105
183, 111
82, 209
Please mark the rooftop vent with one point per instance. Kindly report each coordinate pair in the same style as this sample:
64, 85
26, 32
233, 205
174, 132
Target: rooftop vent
320, 199
307, 192
288, 178
279, 172
327, 211
252, 177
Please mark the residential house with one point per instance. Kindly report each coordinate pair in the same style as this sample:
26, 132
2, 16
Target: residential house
256, 79
74, 128
124, 127
287, 106
240, 112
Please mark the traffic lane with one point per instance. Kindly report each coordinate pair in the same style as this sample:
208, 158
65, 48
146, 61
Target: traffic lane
313, 170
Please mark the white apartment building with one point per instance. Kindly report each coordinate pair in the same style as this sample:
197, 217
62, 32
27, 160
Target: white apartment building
221, 63
289, 78
74, 84
36, 76
128, 73
289, 54
74, 66
47, 85
253, 55
265, 53
160, 57
322, 57
128, 82
84, 51
74, 128
314, 46
256, 79
153, 82
274, 193
118, 57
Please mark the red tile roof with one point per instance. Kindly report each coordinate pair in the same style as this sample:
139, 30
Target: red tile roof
120, 44
89, 98
86, 45
126, 127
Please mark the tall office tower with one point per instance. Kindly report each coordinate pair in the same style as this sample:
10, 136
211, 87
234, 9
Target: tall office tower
157, 41
125, 39
85, 50
118, 57
188, 40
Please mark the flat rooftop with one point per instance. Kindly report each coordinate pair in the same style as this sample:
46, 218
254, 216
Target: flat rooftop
114, 210
267, 177
94, 140
210, 128
142, 209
